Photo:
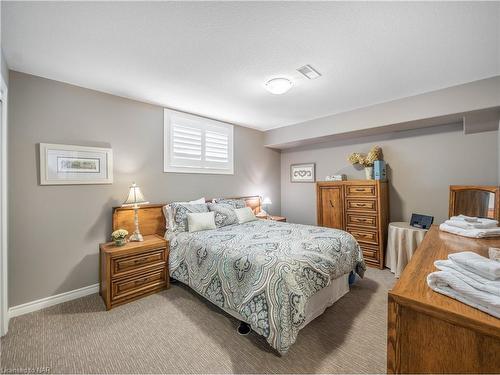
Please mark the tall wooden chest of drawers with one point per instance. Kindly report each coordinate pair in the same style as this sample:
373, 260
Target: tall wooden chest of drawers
360, 207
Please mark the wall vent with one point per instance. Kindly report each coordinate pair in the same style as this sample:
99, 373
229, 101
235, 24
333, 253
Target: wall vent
309, 72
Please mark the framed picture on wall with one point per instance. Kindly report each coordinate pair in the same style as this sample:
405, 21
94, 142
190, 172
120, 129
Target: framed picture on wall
303, 172
75, 165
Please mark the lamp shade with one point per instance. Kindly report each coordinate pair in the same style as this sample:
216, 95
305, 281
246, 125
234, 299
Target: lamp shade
135, 196
267, 200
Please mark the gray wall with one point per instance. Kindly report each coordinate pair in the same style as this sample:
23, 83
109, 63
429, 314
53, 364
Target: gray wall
423, 163
3, 64
55, 230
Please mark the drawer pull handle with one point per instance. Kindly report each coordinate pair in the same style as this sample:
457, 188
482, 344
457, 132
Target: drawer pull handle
331, 204
360, 189
142, 260
142, 281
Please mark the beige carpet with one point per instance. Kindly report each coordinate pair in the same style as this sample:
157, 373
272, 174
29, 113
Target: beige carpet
176, 331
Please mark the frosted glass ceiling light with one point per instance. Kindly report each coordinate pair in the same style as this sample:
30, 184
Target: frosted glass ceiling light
278, 85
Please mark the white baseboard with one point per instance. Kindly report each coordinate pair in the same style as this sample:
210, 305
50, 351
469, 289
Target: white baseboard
39, 304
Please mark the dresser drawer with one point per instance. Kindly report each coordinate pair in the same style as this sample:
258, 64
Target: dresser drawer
360, 190
362, 205
129, 287
371, 254
128, 264
364, 235
361, 220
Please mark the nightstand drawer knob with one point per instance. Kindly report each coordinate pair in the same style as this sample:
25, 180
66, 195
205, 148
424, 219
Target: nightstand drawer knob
142, 281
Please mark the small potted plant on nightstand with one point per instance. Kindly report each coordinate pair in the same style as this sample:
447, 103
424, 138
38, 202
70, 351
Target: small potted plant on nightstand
119, 236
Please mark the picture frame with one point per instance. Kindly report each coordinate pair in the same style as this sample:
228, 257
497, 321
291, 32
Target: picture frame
304, 172
75, 165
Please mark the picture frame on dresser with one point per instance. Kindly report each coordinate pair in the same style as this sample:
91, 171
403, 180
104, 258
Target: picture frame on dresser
75, 165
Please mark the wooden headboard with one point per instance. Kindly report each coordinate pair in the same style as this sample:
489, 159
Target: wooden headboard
152, 220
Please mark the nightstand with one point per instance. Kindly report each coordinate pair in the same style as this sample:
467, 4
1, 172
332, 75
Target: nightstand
134, 270
274, 218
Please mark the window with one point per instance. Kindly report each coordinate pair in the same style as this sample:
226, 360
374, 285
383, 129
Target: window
195, 144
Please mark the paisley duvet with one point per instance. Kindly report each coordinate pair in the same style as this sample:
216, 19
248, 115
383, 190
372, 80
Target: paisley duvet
264, 272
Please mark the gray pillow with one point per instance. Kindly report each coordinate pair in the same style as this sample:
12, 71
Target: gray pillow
179, 213
224, 214
235, 203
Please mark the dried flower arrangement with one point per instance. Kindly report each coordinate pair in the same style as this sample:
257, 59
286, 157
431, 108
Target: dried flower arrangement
368, 159
119, 236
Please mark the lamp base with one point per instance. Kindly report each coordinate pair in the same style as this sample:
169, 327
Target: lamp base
136, 237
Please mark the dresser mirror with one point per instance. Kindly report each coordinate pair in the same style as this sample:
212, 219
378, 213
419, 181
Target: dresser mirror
478, 201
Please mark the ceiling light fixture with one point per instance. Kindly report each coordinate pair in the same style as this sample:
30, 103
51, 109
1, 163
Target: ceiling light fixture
278, 86
309, 72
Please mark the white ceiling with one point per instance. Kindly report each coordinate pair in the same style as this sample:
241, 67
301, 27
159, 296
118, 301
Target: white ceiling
213, 58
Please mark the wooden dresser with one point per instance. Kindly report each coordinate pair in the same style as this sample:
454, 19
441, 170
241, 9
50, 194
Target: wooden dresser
432, 333
360, 207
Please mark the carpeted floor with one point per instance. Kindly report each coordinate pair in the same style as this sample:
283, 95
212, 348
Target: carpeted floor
176, 331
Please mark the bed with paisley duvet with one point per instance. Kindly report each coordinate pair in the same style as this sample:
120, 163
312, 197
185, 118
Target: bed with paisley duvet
275, 276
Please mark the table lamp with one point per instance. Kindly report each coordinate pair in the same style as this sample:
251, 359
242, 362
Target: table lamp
266, 202
134, 199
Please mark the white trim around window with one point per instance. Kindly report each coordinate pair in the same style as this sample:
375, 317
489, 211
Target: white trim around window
194, 144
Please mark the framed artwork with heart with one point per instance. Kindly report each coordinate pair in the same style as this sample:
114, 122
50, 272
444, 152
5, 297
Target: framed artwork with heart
303, 172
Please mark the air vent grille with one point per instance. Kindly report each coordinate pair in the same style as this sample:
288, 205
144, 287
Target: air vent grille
309, 72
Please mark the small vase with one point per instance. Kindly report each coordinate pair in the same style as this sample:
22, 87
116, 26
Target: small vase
369, 173
120, 241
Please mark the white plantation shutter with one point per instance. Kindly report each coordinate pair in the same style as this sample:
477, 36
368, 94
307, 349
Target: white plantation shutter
194, 144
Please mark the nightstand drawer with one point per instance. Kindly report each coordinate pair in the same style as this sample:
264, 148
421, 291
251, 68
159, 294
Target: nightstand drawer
362, 205
128, 288
364, 235
128, 264
361, 220
360, 190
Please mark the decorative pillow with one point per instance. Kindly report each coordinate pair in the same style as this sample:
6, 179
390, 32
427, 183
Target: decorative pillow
245, 215
167, 212
200, 221
224, 214
235, 203
178, 215
198, 201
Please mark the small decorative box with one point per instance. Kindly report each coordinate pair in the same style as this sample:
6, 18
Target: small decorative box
379, 170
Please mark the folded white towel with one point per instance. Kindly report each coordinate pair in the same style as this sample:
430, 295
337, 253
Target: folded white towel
479, 225
446, 283
494, 253
469, 219
473, 233
477, 264
471, 278
474, 220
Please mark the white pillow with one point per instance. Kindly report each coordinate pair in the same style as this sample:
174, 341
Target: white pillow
198, 201
200, 221
244, 215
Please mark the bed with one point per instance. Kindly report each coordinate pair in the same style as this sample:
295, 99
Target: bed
275, 276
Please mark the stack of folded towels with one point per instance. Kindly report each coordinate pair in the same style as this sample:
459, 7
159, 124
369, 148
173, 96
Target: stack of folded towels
468, 226
470, 278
